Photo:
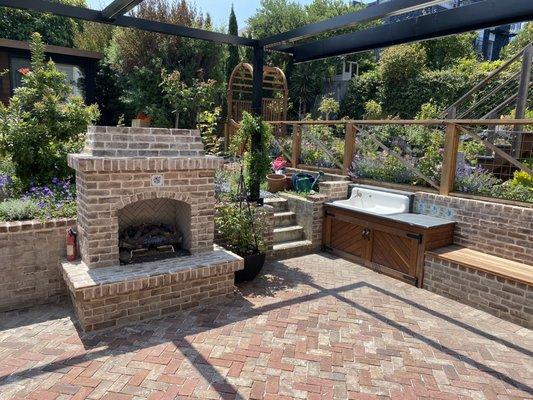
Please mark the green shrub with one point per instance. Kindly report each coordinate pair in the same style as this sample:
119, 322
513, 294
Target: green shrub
207, 124
257, 161
18, 210
241, 228
362, 89
43, 121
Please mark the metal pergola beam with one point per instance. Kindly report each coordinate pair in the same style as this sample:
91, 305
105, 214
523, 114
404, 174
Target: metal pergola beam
119, 7
87, 14
367, 14
467, 18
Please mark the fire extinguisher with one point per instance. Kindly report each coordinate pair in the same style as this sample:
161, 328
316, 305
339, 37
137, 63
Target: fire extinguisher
72, 248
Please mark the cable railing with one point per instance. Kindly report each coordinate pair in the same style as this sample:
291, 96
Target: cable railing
457, 157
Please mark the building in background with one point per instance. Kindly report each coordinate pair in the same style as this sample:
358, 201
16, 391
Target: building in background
488, 43
79, 66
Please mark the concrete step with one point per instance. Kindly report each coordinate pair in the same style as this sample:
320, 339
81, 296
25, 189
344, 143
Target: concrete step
292, 248
288, 233
279, 203
284, 218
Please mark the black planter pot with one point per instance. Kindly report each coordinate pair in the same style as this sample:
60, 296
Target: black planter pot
252, 266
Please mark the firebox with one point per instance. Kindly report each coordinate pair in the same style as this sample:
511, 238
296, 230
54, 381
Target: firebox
154, 230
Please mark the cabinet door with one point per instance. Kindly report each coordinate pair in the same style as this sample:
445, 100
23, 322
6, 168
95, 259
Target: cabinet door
395, 251
349, 238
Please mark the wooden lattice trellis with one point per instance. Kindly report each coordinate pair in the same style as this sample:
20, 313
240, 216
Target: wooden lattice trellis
275, 96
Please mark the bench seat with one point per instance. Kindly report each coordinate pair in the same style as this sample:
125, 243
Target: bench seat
498, 266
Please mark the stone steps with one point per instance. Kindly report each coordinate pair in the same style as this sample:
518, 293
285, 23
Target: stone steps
284, 218
289, 237
293, 248
288, 233
278, 203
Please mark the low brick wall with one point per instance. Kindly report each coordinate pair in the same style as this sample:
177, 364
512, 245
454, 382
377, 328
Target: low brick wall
115, 296
501, 230
29, 262
506, 299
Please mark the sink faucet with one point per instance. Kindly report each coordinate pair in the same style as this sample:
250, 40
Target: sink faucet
358, 193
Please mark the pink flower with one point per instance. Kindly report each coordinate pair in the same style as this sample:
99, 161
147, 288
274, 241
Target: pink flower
279, 163
24, 71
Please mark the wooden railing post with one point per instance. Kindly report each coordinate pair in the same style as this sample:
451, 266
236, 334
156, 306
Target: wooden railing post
296, 144
449, 163
349, 147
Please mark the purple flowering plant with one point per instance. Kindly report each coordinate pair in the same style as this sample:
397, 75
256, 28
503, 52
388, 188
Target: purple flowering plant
56, 200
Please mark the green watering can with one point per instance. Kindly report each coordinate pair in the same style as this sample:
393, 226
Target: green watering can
305, 182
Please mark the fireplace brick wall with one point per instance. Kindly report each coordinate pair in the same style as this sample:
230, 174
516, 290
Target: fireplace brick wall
120, 166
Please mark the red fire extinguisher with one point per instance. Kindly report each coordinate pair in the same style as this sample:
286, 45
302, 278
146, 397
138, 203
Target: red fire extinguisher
72, 248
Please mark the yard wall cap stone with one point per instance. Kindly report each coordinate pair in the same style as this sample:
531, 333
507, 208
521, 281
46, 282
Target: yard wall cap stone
35, 225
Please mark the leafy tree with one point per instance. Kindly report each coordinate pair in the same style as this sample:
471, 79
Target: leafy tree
445, 52
328, 106
520, 41
194, 59
305, 80
20, 24
108, 92
188, 100
400, 66
234, 57
43, 121
93, 36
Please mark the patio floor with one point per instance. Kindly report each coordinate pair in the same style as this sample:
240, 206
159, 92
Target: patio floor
313, 327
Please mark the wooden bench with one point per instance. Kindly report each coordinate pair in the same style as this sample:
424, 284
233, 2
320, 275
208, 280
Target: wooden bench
512, 270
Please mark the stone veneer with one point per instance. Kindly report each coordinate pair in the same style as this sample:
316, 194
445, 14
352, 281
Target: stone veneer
505, 298
30, 253
120, 295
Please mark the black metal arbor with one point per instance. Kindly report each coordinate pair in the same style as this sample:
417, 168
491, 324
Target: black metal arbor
300, 43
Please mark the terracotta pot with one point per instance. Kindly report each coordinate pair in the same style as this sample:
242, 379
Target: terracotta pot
252, 266
276, 183
288, 181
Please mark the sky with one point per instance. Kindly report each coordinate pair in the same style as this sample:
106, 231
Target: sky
219, 9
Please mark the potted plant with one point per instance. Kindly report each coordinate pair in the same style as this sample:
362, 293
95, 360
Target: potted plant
277, 180
240, 228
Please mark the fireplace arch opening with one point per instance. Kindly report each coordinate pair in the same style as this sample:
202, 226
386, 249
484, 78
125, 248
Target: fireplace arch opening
154, 229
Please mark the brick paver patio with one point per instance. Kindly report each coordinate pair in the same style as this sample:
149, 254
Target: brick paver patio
313, 327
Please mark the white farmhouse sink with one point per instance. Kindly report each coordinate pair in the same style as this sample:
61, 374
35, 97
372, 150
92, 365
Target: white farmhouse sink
375, 201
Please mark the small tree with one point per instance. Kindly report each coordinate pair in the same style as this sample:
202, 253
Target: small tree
328, 106
43, 121
233, 58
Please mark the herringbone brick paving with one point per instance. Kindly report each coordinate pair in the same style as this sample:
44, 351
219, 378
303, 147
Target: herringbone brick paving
313, 327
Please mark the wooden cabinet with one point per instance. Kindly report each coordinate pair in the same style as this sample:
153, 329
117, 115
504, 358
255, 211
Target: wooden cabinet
389, 246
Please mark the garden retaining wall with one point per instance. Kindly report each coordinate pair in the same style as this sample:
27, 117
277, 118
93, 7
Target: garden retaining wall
498, 229
30, 253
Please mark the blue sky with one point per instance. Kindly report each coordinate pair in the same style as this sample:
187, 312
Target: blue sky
219, 9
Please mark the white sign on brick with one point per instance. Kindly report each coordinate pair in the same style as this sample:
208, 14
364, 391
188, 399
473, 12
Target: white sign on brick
157, 180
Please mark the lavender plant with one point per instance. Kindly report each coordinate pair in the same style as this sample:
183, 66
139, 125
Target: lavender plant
57, 200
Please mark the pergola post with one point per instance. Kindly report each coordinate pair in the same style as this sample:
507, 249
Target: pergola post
521, 99
257, 111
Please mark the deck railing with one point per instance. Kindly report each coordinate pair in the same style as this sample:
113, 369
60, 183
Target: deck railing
446, 156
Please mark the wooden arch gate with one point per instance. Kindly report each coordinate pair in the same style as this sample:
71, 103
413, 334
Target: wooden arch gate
240, 92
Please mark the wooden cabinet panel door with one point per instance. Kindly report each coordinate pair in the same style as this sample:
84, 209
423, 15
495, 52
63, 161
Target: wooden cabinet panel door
395, 251
348, 237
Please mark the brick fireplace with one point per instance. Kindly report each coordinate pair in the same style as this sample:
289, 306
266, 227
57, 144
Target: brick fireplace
154, 181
